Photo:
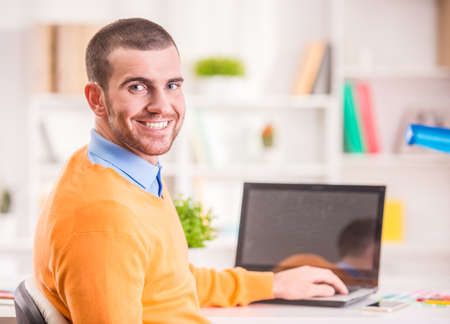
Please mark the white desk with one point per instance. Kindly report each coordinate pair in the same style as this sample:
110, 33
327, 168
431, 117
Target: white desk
287, 314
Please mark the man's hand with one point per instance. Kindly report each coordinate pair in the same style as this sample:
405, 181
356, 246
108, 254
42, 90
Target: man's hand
307, 282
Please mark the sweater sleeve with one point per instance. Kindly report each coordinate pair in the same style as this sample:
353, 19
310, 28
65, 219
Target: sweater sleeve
100, 273
231, 287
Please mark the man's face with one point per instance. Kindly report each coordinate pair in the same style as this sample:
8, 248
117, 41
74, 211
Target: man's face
144, 100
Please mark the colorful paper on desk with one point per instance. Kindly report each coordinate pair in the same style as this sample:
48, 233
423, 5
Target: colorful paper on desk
393, 221
419, 296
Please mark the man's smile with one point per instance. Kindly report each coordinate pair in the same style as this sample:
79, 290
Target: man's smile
156, 125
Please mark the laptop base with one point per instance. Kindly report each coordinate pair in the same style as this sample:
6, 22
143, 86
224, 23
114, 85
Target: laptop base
334, 301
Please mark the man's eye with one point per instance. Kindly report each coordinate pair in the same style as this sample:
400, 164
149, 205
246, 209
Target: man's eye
137, 87
173, 86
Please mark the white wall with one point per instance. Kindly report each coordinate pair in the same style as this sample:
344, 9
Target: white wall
14, 94
390, 33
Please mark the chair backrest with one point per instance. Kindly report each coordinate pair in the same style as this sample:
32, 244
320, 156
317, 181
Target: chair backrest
33, 307
27, 311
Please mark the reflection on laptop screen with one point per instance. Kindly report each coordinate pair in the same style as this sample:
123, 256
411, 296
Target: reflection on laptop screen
335, 227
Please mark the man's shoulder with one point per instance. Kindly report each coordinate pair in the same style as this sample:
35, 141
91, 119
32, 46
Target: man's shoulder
83, 180
91, 197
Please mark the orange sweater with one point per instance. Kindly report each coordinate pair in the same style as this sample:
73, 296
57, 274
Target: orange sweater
106, 251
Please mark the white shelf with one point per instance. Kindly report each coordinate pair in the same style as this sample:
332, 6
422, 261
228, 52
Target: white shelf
427, 160
262, 102
396, 73
49, 171
50, 102
248, 172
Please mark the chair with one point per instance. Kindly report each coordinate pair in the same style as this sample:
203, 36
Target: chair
32, 307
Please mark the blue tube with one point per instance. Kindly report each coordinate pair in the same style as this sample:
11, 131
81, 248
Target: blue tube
436, 138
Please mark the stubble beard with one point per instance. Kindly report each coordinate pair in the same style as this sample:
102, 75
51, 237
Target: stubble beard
131, 141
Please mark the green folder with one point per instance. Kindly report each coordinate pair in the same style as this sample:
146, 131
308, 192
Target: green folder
352, 130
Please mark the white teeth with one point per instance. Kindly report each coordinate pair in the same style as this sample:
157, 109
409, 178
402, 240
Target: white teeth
159, 125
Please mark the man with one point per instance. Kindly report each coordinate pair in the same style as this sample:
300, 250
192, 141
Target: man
109, 247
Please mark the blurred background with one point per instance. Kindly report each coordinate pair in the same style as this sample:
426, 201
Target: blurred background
265, 99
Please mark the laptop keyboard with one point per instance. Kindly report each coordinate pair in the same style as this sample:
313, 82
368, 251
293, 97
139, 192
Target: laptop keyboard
356, 293
351, 289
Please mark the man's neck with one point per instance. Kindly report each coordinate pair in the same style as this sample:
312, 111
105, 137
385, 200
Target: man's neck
107, 134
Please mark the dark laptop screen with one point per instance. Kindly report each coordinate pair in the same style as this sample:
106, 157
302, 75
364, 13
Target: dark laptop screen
330, 226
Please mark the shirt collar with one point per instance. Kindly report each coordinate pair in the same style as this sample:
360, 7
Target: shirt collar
140, 170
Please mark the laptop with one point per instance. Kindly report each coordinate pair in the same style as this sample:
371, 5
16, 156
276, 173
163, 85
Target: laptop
337, 227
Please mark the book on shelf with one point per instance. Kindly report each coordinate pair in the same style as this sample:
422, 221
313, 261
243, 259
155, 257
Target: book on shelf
43, 62
71, 45
322, 84
353, 138
311, 64
443, 29
367, 118
50, 156
59, 60
199, 140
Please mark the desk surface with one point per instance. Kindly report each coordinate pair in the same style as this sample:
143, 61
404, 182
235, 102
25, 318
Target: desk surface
286, 314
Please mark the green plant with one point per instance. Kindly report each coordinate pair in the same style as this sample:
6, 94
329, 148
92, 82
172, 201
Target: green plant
5, 202
219, 66
196, 223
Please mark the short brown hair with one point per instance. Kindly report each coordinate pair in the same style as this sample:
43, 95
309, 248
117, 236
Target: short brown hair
136, 33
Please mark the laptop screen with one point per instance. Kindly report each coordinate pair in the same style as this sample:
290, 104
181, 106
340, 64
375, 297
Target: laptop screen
330, 226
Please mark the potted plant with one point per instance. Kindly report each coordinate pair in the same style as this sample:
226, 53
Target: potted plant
195, 221
5, 202
220, 75
7, 220
267, 136
270, 152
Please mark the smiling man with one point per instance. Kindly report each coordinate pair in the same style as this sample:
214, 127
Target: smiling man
109, 247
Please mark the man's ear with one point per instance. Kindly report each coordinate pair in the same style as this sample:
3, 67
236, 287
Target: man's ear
96, 98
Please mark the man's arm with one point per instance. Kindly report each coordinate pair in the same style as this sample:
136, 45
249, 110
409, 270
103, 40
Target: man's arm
100, 273
233, 287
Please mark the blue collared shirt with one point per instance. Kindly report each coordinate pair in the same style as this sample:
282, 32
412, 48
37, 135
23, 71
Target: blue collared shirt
130, 166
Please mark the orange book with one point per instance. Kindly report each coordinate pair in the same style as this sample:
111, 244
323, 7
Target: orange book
309, 68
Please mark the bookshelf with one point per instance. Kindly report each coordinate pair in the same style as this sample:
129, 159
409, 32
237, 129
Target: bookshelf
377, 42
360, 51
179, 165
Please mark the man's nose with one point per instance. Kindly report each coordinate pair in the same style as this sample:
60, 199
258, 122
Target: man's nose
159, 101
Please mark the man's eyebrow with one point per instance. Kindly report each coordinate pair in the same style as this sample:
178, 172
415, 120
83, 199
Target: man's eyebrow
179, 79
132, 79
146, 81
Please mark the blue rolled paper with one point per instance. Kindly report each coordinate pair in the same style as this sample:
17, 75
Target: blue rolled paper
437, 138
